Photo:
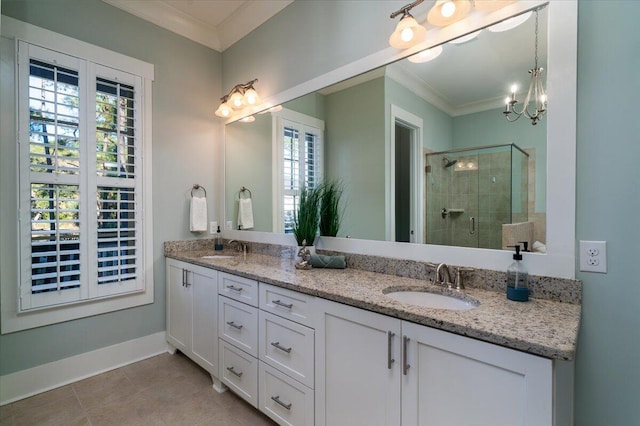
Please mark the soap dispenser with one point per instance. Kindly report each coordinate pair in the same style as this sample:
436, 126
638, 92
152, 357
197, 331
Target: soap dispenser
219, 242
517, 278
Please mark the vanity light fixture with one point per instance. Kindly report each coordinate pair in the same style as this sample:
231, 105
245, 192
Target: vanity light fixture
426, 55
447, 12
408, 32
240, 97
248, 119
536, 92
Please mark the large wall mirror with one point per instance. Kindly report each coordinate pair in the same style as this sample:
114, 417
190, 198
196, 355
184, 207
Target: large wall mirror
424, 151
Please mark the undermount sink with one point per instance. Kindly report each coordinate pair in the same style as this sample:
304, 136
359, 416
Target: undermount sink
217, 256
426, 299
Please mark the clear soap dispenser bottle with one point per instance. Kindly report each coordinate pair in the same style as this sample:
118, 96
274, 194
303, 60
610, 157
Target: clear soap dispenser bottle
517, 278
218, 243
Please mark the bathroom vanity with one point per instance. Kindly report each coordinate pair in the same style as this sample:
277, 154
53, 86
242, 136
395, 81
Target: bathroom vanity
329, 347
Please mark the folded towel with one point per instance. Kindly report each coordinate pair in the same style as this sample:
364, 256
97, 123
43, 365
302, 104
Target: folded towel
322, 261
245, 213
198, 214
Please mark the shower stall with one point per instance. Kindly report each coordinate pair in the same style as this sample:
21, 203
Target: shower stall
472, 192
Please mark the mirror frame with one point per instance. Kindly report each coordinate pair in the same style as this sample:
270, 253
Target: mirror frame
559, 261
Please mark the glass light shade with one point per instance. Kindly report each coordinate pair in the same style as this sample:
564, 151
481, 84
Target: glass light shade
250, 97
491, 5
426, 55
235, 101
408, 33
223, 110
466, 38
249, 119
510, 23
447, 12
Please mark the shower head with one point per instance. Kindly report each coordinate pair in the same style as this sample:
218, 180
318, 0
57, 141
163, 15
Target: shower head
448, 163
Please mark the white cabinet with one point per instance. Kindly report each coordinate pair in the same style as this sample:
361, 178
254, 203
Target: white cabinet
376, 370
452, 380
192, 314
357, 367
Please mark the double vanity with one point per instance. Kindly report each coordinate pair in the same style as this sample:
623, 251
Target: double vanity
333, 347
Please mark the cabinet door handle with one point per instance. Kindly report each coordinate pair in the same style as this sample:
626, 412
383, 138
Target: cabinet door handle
284, 305
234, 288
405, 348
186, 278
234, 325
283, 404
279, 346
184, 274
234, 372
472, 225
390, 360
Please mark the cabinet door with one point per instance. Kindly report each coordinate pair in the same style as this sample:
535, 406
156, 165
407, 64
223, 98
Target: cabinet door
357, 367
204, 289
453, 380
178, 307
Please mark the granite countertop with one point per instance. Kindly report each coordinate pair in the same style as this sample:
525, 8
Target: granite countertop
541, 327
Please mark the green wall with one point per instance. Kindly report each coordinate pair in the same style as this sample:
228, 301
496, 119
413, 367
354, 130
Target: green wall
186, 137
608, 196
437, 125
355, 153
248, 163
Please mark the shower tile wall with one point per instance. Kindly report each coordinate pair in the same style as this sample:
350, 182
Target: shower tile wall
483, 194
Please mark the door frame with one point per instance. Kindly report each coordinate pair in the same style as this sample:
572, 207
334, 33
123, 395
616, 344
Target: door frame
415, 125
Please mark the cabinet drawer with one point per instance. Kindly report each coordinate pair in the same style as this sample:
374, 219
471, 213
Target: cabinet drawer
283, 399
238, 288
287, 346
286, 303
239, 371
238, 324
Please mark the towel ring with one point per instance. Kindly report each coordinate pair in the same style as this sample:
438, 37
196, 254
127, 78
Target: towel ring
197, 187
243, 189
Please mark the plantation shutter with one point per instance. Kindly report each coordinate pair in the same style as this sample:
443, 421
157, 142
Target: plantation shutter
118, 182
80, 179
51, 177
301, 164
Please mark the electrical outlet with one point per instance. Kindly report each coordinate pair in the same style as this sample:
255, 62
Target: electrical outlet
228, 225
213, 227
593, 256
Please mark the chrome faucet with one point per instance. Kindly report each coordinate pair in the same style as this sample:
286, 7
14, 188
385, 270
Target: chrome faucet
240, 246
439, 279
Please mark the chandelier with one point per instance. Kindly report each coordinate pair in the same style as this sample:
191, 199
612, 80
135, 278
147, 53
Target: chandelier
536, 94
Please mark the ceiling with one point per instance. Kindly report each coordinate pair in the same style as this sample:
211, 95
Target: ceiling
217, 24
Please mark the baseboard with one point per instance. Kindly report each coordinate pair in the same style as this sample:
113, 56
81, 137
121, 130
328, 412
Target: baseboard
32, 381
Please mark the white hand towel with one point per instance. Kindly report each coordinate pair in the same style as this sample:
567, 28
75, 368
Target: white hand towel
245, 213
198, 214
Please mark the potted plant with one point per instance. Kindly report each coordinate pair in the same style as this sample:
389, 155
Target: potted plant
307, 217
330, 209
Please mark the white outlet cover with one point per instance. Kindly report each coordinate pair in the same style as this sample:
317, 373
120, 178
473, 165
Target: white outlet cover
593, 256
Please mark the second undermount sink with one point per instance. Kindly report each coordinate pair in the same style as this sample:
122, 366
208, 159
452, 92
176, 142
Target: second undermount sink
217, 256
432, 300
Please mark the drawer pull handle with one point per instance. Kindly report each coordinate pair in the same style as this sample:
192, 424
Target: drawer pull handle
276, 399
279, 346
234, 325
234, 288
234, 372
284, 305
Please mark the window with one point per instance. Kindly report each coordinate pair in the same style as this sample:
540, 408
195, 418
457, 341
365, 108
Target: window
299, 157
81, 178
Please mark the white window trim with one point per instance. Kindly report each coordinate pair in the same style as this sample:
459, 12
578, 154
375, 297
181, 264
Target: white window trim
278, 121
11, 320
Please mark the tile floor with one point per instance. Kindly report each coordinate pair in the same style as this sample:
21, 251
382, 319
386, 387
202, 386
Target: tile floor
163, 390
